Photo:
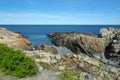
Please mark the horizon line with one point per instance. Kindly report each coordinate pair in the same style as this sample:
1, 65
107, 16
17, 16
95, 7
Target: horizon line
59, 24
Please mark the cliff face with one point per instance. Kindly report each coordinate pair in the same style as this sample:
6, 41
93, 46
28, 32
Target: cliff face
14, 40
106, 44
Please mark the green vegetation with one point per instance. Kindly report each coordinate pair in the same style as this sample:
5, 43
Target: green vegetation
69, 76
15, 63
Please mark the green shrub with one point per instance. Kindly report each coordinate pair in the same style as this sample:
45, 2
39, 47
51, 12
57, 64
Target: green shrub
15, 63
68, 76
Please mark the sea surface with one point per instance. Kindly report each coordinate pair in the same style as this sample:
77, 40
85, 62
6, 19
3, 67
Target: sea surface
37, 33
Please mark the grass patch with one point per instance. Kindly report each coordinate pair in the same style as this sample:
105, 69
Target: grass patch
66, 75
16, 63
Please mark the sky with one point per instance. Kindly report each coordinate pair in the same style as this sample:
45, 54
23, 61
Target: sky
59, 12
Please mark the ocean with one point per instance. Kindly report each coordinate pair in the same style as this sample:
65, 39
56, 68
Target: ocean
37, 33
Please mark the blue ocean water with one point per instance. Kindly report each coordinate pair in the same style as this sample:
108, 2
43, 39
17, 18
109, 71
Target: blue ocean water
37, 33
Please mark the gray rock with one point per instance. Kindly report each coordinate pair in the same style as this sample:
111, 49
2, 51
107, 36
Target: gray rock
113, 49
108, 32
46, 48
86, 76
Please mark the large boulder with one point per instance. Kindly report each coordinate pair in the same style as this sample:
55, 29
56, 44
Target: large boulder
14, 40
78, 42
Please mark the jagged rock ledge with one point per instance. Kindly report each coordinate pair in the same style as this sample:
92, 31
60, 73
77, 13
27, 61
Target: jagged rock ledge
104, 46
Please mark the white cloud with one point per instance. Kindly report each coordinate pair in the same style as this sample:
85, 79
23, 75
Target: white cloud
32, 15
52, 16
45, 18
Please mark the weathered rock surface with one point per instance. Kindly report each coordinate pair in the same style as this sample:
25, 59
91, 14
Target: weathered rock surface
108, 32
113, 49
111, 37
14, 40
78, 42
86, 67
106, 44
46, 48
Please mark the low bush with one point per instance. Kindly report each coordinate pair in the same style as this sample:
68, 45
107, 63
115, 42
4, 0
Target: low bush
16, 63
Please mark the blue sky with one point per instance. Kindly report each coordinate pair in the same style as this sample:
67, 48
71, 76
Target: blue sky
59, 11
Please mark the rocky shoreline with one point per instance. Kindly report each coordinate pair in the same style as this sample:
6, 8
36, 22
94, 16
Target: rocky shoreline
105, 45
92, 55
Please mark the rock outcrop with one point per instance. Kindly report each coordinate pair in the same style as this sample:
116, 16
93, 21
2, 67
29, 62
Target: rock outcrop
111, 37
113, 49
78, 42
46, 48
108, 34
115, 46
106, 44
14, 40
